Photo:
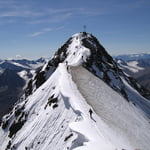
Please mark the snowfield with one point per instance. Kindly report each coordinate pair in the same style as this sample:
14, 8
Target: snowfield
133, 66
122, 117
71, 117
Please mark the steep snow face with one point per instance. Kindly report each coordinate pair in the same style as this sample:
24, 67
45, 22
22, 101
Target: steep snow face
44, 118
126, 121
57, 117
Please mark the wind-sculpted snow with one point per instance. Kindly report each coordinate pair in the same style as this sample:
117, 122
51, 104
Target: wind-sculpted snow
127, 122
88, 134
67, 126
46, 127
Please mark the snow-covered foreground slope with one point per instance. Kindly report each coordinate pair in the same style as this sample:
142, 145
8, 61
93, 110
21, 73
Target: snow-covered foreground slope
67, 122
46, 126
67, 107
126, 121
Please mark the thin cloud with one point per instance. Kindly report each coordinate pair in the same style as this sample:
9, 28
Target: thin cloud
91, 12
20, 13
51, 19
37, 34
15, 8
38, 15
10, 21
131, 5
6, 3
59, 28
45, 30
41, 32
12, 8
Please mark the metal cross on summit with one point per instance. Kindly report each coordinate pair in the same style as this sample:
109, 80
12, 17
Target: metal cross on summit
84, 28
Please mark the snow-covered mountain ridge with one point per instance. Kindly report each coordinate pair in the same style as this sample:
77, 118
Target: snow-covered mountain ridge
80, 100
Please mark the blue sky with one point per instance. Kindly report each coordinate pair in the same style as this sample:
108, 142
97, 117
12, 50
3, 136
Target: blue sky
35, 28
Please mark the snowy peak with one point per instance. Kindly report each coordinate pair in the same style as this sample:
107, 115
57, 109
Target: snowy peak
80, 49
77, 53
83, 48
81, 100
73, 52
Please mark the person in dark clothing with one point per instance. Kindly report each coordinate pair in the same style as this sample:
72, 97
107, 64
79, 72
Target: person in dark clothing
90, 111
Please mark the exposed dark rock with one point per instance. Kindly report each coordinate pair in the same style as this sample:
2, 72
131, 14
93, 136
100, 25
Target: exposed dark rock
68, 137
28, 90
19, 111
8, 145
17, 124
5, 124
52, 100
40, 79
55, 105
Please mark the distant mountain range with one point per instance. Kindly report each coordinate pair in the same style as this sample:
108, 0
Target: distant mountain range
129, 57
137, 66
14, 74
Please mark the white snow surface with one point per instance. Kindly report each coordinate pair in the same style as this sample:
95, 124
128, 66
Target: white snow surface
114, 124
23, 74
77, 52
132, 66
50, 127
128, 126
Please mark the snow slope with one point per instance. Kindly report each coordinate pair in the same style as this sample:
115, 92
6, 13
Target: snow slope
73, 109
47, 127
43, 119
70, 117
122, 117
